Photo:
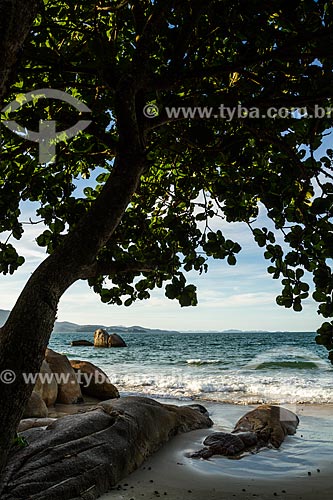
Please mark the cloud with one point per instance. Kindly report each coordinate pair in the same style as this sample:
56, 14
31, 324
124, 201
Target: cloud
241, 296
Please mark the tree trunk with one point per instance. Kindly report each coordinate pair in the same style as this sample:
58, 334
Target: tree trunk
26, 333
16, 18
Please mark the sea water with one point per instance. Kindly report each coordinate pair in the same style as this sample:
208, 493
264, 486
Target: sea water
244, 368
237, 367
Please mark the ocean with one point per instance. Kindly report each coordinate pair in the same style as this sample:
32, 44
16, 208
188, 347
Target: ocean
239, 367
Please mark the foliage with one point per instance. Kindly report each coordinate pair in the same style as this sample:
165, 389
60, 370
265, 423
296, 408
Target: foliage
20, 441
183, 53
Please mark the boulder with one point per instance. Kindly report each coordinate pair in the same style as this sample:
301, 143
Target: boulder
266, 425
35, 407
227, 444
116, 341
76, 343
93, 381
101, 338
29, 423
69, 391
270, 423
82, 456
46, 385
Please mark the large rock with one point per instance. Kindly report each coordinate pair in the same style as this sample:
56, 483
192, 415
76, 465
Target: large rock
115, 340
69, 391
82, 456
101, 338
266, 425
29, 423
93, 381
36, 408
77, 343
46, 385
270, 423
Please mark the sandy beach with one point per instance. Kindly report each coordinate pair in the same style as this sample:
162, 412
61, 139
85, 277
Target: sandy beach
301, 469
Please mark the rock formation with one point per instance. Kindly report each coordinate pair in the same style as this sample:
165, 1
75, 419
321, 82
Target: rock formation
63, 382
29, 423
69, 391
93, 381
82, 456
103, 339
35, 407
115, 340
266, 425
47, 388
270, 423
77, 343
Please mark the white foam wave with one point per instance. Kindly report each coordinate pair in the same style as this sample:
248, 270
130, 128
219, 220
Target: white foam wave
233, 386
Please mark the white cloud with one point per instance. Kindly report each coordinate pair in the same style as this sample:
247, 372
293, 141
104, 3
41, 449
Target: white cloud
241, 296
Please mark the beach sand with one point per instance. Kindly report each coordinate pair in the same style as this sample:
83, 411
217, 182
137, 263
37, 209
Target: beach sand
301, 469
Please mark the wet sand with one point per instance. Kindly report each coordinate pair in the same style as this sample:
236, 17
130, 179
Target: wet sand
300, 470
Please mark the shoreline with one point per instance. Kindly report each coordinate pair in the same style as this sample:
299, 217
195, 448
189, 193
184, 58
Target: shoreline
289, 473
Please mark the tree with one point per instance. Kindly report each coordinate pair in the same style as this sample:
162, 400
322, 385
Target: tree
163, 176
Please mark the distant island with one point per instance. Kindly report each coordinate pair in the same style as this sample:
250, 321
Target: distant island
68, 327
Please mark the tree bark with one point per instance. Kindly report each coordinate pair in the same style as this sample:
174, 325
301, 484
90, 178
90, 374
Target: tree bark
26, 333
16, 18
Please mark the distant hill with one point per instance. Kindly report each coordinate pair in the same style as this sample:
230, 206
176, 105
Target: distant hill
68, 327
3, 316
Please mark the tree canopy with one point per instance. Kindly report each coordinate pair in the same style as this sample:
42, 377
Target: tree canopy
125, 58
163, 175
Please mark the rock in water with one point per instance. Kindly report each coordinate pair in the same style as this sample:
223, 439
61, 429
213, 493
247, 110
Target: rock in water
82, 456
47, 388
76, 343
200, 408
247, 438
69, 391
263, 426
93, 381
115, 340
220, 443
101, 338
270, 423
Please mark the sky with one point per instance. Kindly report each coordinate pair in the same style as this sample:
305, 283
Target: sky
238, 297
230, 297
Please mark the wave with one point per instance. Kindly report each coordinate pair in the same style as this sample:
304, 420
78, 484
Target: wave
295, 365
203, 361
289, 357
233, 386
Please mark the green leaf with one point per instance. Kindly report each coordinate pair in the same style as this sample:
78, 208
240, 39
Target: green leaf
231, 259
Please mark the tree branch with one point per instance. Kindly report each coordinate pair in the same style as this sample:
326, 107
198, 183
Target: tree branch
112, 8
100, 268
